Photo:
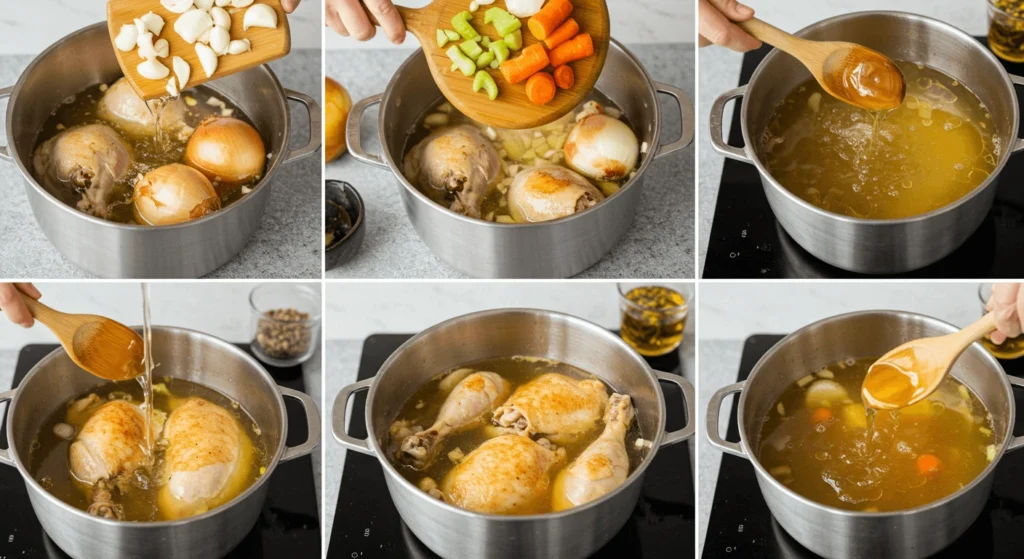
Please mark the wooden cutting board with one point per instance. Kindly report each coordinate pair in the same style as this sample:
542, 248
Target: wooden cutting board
267, 44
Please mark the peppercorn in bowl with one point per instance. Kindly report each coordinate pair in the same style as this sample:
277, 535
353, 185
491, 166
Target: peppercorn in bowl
285, 323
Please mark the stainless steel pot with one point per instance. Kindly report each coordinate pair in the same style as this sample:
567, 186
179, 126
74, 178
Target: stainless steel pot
875, 246
833, 532
553, 249
104, 248
184, 354
453, 532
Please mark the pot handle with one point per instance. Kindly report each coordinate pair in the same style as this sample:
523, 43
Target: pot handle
5, 453
674, 437
352, 127
339, 412
315, 127
685, 117
312, 424
717, 134
5, 154
1017, 442
711, 421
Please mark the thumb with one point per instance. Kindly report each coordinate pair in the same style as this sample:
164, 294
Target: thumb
734, 10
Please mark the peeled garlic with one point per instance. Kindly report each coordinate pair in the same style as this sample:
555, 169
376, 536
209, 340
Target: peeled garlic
223, 3
240, 3
172, 87
219, 39
203, 4
207, 58
220, 17
152, 69
205, 37
153, 23
239, 46
146, 48
177, 6
191, 24
260, 15
162, 48
182, 70
127, 38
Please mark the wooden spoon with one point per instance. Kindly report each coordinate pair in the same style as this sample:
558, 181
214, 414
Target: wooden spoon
849, 72
101, 346
912, 371
267, 45
512, 109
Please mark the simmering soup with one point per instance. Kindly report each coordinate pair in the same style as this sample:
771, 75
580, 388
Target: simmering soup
934, 149
821, 442
523, 431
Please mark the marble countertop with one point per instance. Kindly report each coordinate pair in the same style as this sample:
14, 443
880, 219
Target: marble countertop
720, 71
658, 245
287, 243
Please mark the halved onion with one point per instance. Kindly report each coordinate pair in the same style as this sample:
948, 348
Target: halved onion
172, 194
227, 150
602, 148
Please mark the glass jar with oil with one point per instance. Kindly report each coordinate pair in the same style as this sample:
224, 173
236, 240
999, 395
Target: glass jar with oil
1006, 29
653, 317
1012, 348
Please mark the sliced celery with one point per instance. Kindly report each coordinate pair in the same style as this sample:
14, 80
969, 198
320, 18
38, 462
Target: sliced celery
452, 36
484, 59
484, 81
514, 40
471, 48
500, 50
461, 24
495, 64
503, 21
455, 67
442, 39
485, 42
463, 62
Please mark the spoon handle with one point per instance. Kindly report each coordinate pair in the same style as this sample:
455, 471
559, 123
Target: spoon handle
982, 327
772, 35
52, 319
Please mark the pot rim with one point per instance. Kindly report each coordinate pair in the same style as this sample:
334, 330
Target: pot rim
272, 166
633, 477
133, 525
1008, 150
635, 181
942, 325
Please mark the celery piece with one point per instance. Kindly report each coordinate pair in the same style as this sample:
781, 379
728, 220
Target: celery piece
514, 40
500, 50
503, 21
455, 67
442, 39
485, 42
471, 48
461, 24
484, 59
464, 63
484, 81
495, 64
452, 36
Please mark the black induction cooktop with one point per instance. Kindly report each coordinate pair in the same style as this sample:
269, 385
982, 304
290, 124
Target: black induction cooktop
367, 524
748, 242
742, 526
288, 526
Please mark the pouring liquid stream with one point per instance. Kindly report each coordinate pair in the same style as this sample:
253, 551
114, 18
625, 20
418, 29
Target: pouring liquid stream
146, 378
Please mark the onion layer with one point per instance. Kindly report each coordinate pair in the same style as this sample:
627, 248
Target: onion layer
227, 150
602, 148
173, 194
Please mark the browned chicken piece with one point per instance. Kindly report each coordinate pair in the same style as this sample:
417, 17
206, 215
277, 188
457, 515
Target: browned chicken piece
509, 474
603, 466
458, 160
550, 192
81, 166
111, 442
555, 406
466, 406
122, 107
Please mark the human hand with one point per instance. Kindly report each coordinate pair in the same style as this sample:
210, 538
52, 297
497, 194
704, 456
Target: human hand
1007, 304
13, 306
715, 22
348, 19
289, 5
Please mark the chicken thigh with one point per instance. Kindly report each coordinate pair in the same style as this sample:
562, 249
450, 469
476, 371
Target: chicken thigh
207, 462
509, 474
81, 166
549, 192
603, 466
456, 160
555, 406
122, 107
465, 407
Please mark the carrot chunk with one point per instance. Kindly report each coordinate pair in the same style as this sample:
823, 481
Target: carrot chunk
566, 31
540, 88
928, 464
564, 77
533, 59
544, 22
580, 46
821, 415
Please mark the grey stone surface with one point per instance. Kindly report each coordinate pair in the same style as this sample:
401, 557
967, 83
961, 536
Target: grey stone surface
287, 243
660, 243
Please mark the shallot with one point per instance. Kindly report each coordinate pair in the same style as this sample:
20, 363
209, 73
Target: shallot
172, 194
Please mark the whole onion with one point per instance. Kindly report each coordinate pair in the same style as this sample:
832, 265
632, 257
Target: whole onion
602, 148
172, 194
227, 150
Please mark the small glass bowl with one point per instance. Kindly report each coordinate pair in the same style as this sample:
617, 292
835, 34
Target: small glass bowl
285, 323
1005, 32
653, 331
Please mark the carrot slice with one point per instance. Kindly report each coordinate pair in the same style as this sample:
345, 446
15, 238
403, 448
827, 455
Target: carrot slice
533, 59
564, 77
544, 22
928, 464
566, 31
580, 46
540, 88
821, 415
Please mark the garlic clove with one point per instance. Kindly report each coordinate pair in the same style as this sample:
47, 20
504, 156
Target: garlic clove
140, 26
127, 38
172, 87
220, 17
259, 15
241, 3
182, 70
203, 4
239, 46
205, 37
153, 23
207, 58
162, 48
223, 3
146, 48
191, 24
176, 6
152, 69
219, 40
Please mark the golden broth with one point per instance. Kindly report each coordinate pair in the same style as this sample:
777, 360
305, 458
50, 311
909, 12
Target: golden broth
423, 407
890, 460
938, 146
136, 496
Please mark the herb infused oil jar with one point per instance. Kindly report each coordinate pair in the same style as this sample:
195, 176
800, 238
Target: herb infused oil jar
653, 317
